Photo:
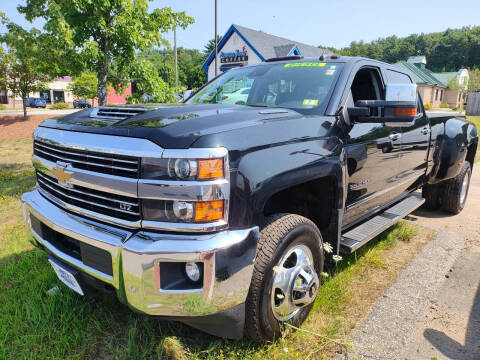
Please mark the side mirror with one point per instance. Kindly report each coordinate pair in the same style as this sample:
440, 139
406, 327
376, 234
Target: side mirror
398, 109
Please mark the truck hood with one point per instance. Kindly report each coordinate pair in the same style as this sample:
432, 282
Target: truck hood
171, 126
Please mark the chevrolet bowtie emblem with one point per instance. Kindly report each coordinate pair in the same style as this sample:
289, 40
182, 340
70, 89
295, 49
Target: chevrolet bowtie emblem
61, 173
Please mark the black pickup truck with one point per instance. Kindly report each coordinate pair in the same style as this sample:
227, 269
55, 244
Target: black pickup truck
222, 215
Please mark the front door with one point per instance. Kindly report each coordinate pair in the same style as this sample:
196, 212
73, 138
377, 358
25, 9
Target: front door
373, 152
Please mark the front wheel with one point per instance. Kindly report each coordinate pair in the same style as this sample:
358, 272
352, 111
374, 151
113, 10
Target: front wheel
285, 279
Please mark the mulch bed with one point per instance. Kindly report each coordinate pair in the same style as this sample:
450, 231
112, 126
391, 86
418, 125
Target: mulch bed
13, 126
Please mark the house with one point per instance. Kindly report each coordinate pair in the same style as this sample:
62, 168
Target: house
57, 92
242, 46
437, 88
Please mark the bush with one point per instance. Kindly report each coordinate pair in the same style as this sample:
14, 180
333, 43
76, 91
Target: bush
2, 107
60, 106
444, 106
427, 106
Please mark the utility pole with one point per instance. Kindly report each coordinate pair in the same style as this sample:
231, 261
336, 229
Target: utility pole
216, 44
175, 55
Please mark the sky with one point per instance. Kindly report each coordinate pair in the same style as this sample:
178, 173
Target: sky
329, 23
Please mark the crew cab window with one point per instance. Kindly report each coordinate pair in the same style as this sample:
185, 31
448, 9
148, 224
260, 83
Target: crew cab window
395, 77
367, 85
300, 85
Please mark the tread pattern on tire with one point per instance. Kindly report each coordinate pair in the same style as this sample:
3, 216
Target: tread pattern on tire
431, 194
452, 190
271, 234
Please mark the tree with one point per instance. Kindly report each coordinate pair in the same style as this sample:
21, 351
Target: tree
210, 46
98, 33
26, 68
4, 65
474, 81
449, 50
84, 86
190, 73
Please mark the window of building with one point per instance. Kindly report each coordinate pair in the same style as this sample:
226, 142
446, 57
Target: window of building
436, 94
441, 95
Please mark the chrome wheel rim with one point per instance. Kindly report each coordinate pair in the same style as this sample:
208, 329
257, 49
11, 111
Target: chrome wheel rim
463, 192
295, 283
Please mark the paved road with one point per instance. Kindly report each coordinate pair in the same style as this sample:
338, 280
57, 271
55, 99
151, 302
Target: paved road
432, 310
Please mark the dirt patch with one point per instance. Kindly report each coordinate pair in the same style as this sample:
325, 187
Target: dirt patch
13, 127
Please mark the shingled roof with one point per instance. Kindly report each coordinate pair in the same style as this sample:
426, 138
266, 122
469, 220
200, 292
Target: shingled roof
267, 46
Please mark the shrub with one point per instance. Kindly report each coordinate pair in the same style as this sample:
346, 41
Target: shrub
427, 106
2, 107
444, 106
60, 106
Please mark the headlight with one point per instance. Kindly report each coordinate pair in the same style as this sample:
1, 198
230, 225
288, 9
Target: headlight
182, 169
182, 211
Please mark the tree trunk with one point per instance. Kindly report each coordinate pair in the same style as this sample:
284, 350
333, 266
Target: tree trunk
24, 102
102, 87
102, 74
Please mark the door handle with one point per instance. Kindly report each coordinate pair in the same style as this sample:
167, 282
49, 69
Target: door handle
394, 137
425, 131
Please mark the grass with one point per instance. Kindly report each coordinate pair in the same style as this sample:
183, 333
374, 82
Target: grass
476, 121
34, 325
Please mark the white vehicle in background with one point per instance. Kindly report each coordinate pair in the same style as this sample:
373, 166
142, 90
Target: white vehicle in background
239, 96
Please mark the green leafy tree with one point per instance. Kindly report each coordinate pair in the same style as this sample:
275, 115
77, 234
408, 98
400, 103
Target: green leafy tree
4, 65
27, 68
84, 86
148, 82
449, 50
474, 81
190, 73
99, 33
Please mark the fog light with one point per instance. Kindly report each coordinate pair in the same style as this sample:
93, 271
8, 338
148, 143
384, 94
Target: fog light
193, 271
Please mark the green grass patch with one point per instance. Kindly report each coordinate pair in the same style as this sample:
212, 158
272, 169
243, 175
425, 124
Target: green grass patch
35, 325
476, 121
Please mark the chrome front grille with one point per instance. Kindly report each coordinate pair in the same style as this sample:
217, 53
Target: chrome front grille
98, 176
112, 164
112, 205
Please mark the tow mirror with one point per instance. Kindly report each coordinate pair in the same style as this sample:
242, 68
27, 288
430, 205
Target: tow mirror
398, 109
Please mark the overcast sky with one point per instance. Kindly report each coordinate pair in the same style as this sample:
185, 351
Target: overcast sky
331, 23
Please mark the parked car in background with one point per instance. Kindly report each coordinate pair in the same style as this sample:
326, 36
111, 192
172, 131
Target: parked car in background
36, 103
81, 104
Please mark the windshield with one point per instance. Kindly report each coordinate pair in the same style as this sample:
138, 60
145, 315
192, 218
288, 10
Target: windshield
301, 86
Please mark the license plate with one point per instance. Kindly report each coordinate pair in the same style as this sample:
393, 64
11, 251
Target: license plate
66, 277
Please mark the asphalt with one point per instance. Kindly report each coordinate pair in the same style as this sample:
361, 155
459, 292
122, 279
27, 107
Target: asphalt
432, 310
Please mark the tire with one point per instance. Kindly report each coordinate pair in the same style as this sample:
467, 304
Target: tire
433, 196
281, 237
454, 198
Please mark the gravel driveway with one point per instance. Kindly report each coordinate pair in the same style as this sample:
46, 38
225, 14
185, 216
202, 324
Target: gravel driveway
432, 310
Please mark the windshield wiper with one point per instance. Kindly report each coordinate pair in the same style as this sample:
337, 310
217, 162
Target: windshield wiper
256, 105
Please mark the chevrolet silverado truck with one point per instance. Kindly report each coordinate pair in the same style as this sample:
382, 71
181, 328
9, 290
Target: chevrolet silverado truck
218, 215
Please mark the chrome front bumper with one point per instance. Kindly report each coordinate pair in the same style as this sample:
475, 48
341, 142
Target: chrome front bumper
136, 259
